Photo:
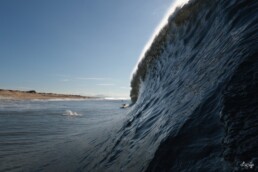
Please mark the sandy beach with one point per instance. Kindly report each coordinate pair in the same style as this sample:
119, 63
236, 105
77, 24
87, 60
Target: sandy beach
29, 95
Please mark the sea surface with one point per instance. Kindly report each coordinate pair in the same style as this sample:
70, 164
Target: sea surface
55, 135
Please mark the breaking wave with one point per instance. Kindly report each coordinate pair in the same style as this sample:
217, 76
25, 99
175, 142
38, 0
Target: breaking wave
71, 113
195, 95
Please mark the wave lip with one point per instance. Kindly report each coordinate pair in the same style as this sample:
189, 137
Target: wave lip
164, 22
179, 13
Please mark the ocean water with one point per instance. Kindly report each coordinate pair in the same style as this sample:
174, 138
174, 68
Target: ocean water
55, 135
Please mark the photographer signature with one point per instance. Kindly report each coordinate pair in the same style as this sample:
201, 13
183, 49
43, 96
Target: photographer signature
247, 165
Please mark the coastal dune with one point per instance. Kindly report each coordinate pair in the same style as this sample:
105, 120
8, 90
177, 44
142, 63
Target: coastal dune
32, 94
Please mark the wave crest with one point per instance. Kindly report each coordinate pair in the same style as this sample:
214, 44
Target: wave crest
71, 113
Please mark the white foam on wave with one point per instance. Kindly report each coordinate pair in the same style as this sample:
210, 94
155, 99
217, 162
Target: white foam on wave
71, 113
57, 100
5, 98
164, 21
115, 98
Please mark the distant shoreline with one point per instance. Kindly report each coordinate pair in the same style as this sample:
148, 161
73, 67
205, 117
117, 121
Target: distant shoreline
32, 94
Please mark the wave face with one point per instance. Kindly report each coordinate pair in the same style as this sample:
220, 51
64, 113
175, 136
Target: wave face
195, 95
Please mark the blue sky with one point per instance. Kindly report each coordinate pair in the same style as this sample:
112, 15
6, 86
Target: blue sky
87, 47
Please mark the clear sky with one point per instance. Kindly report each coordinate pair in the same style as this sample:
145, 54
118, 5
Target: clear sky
87, 47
